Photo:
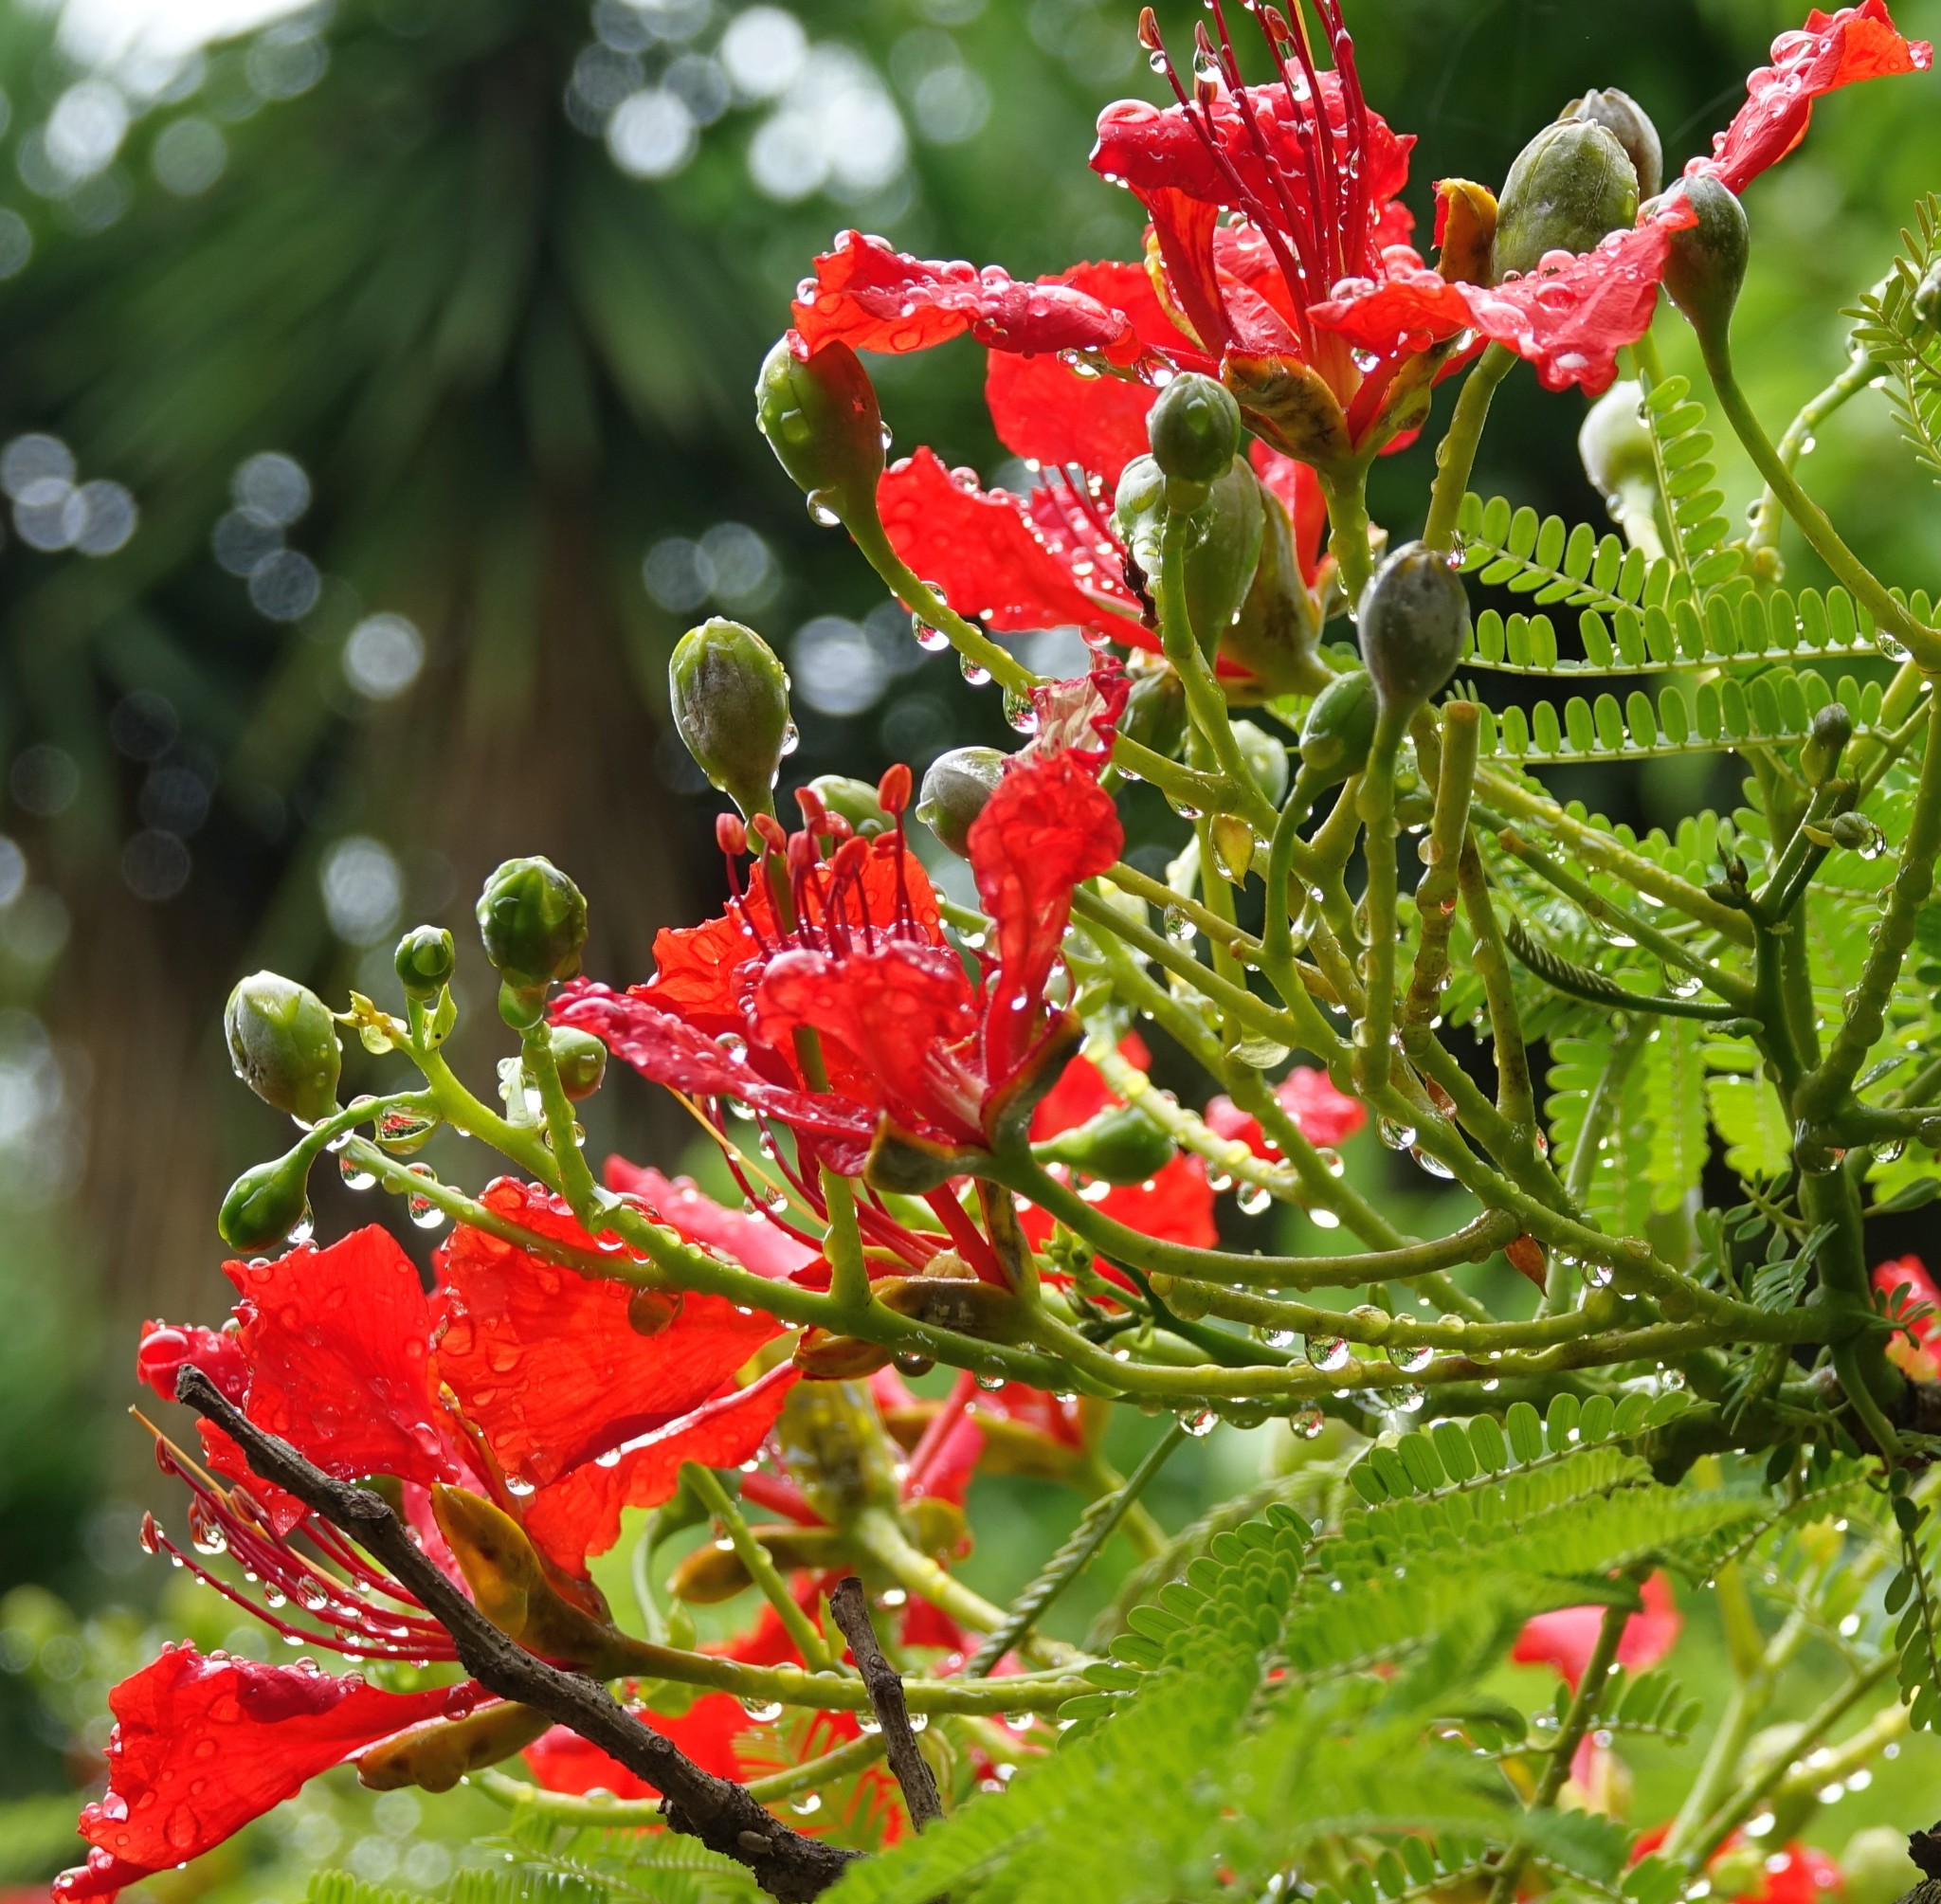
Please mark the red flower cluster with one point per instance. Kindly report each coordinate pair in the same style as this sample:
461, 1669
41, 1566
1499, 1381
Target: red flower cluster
1915, 1305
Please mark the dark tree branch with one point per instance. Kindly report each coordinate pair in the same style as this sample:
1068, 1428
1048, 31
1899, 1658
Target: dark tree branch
884, 1685
789, 1866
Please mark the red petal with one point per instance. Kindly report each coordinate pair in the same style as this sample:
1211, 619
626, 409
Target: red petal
544, 1361
1037, 1409
202, 1746
1176, 1205
1298, 489
754, 1242
1045, 411
579, 1516
1047, 825
1566, 1637
338, 1342
221, 1456
168, 1347
1408, 310
562, 1761
1833, 51
1919, 1310
1571, 320
873, 298
661, 1047
1320, 1112
895, 1011
979, 549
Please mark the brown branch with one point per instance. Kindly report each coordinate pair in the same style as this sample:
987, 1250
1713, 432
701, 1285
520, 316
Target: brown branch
884, 1685
715, 1810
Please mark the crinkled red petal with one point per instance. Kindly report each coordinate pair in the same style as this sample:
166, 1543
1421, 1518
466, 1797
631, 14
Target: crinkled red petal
871, 298
544, 1361
338, 1342
1045, 411
1571, 320
578, 1516
1408, 310
1047, 825
167, 1347
1831, 52
980, 550
751, 1238
204, 1745
660, 1046
897, 1010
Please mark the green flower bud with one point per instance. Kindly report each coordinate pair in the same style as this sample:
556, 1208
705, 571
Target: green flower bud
1614, 443
1826, 740
1265, 758
1194, 428
1627, 122
1877, 1867
581, 1061
730, 706
954, 793
1706, 263
1119, 1146
855, 801
821, 418
1276, 635
265, 1204
1223, 546
284, 1045
1138, 511
534, 921
1413, 621
1570, 187
425, 959
1927, 299
1156, 714
1340, 728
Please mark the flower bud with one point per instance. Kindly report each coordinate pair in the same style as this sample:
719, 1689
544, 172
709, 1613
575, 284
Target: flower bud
1568, 187
965, 1308
1265, 758
1826, 740
1614, 443
854, 800
534, 921
1875, 1866
823, 1357
1627, 122
1276, 635
435, 1757
581, 1059
1194, 428
730, 704
1118, 1146
1222, 544
425, 959
1927, 298
1413, 621
1706, 263
955, 790
1854, 831
265, 1204
1340, 728
820, 416
284, 1045
1156, 712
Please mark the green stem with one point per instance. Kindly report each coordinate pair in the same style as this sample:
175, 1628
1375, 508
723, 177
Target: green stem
1456, 453
1859, 373
1346, 493
705, 1483
929, 608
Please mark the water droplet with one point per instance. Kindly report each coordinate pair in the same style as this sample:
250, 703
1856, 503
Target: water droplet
807, 1804
1179, 928
973, 672
1596, 1274
1323, 1218
1405, 1400
1307, 1422
1395, 1135
792, 739
1682, 984
418, 1207
1330, 1355
402, 1132
931, 641
763, 1711
1253, 1199
1433, 1165
820, 510
1020, 714
303, 1229
1199, 1422
989, 1382
353, 1173
1411, 1357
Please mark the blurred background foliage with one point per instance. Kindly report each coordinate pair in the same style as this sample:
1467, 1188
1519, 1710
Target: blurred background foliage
375, 414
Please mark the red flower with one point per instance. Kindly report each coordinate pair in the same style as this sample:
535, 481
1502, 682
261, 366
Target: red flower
1917, 1312
204, 1745
1566, 1637
1796, 1874
1323, 1115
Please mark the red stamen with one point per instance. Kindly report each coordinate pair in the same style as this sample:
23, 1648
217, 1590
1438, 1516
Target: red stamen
937, 1431
893, 790
730, 835
967, 1238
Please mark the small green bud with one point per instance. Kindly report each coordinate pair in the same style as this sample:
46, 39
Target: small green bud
1854, 831
1706, 263
283, 1045
1138, 511
1156, 713
1265, 758
1570, 187
1222, 547
1614, 443
1194, 428
1413, 621
1826, 740
1119, 1146
1927, 299
821, 418
265, 1204
581, 1061
1627, 122
953, 791
729, 695
1276, 635
534, 921
855, 801
425, 959
1340, 728
1877, 1867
